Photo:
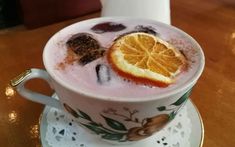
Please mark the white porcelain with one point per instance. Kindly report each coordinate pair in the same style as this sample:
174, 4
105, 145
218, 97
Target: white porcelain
158, 10
123, 120
58, 130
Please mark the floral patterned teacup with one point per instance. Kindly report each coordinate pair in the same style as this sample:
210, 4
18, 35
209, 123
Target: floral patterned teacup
115, 120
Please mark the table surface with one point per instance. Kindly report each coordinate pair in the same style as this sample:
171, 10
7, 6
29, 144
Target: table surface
210, 22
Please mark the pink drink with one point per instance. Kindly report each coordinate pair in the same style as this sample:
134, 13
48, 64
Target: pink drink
83, 78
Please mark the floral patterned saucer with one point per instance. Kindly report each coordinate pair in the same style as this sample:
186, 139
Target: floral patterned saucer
58, 129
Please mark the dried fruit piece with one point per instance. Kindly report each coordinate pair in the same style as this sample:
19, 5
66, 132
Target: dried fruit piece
82, 43
107, 27
91, 56
146, 59
102, 73
146, 29
140, 28
85, 47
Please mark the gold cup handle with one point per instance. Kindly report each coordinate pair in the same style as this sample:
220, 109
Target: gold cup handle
19, 81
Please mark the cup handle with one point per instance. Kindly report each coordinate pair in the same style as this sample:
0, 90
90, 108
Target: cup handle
19, 82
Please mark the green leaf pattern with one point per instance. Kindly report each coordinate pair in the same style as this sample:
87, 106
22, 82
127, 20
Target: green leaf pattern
114, 124
84, 115
118, 131
95, 129
172, 115
115, 137
176, 105
182, 99
161, 108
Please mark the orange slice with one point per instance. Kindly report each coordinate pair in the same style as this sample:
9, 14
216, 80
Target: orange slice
147, 59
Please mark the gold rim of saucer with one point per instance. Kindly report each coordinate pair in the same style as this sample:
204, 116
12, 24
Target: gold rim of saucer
202, 124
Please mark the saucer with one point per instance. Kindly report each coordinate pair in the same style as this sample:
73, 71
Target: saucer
58, 129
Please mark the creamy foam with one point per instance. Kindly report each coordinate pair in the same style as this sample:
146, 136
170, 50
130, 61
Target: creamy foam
84, 78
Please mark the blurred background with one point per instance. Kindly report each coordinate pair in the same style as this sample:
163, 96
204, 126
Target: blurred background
33, 14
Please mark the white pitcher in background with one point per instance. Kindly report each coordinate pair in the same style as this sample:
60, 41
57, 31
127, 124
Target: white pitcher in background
151, 9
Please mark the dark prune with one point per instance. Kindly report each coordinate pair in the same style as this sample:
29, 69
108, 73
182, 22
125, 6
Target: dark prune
90, 56
102, 73
82, 43
85, 47
140, 28
146, 29
107, 27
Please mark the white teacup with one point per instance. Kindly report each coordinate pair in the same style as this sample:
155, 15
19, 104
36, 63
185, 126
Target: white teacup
122, 120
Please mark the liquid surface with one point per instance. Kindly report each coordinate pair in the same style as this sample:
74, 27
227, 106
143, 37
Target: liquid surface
97, 77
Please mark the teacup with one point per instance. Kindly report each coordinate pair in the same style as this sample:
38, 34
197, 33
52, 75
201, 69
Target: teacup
124, 115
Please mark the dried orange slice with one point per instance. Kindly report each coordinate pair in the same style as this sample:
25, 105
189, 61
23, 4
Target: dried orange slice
145, 58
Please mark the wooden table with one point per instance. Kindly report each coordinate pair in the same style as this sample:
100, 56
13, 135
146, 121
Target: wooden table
210, 22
